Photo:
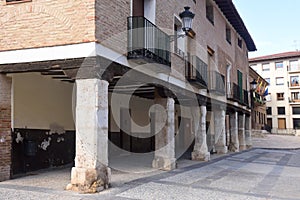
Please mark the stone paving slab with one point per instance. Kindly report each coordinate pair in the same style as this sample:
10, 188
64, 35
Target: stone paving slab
277, 141
254, 174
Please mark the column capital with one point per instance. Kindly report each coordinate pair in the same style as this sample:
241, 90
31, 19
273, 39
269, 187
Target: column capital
202, 100
165, 92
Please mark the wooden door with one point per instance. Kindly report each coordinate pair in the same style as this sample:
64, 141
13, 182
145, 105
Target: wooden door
281, 123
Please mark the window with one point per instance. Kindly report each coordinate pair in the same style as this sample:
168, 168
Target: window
281, 110
240, 43
240, 84
228, 34
269, 97
17, 1
281, 123
296, 123
179, 42
295, 96
280, 96
294, 81
269, 110
266, 67
209, 11
294, 65
279, 81
279, 65
268, 80
296, 110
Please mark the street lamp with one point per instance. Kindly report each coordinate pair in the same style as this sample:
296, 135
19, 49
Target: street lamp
253, 84
187, 19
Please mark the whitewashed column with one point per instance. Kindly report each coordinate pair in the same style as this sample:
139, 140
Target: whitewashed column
164, 157
242, 140
219, 118
248, 132
234, 131
91, 172
200, 151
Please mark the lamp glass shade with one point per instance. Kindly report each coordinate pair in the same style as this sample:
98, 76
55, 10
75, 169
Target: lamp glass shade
187, 23
187, 18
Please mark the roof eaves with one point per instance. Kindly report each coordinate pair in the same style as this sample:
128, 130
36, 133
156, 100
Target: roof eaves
232, 15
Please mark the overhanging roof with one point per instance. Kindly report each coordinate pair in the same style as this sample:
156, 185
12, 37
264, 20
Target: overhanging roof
232, 15
284, 55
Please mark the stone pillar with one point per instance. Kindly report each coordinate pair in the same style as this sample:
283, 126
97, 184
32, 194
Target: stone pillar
220, 129
200, 152
211, 132
5, 127
242, 141
248, 132
91, 173
164, 157
234, 132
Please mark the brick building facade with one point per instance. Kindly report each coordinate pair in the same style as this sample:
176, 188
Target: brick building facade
118, 77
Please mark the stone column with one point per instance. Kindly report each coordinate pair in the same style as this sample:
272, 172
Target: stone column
220, 129
200, 152
234, 132
91, 172
5, 127
211, 132
242, 141
164, 157
248, 132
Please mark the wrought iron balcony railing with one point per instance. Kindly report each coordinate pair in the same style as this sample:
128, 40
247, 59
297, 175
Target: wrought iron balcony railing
236, 92
217, 83
146, 41
245, 97
196, 71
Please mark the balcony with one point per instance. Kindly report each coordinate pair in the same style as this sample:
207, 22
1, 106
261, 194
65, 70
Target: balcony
217, 83
294, 100
233, 92
237, 94
293, 68
258, 99
245, 98
147, 43
196, 71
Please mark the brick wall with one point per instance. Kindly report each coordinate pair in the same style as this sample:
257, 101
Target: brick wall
5, 127
43, 23
111, 23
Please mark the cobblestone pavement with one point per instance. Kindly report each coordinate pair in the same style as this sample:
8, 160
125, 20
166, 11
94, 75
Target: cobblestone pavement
254, 174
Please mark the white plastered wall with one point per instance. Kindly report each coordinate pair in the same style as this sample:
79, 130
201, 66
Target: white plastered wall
40, 101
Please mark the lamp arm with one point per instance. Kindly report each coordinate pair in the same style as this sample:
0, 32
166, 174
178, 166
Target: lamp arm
173, 37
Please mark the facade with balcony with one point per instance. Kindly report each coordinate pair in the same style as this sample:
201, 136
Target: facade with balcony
259, 95
92, 81
282, 72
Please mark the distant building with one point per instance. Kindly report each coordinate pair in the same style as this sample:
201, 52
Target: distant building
258, 101
282, 72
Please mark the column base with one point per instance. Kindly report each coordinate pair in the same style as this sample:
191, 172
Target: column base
89, 180
199, 156
233, 148
243, 147
166, 164
222, 150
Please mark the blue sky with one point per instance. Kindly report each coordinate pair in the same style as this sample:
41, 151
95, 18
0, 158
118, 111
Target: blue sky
273, 24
